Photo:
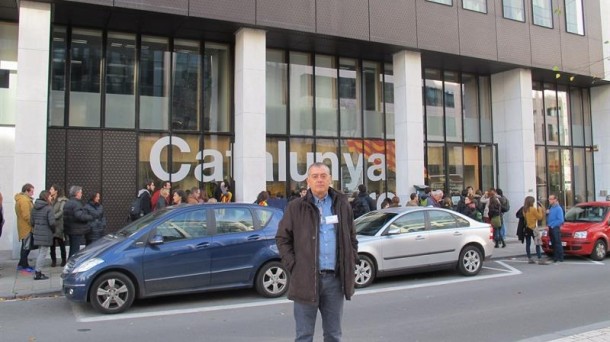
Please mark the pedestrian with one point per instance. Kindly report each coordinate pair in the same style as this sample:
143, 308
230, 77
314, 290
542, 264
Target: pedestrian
531, 215
97, 225
163, 199
262, 198
58, 200
223, 195
145, 197
23, 210
317, 243
194, 196
413, 200
154, 199
386, 203
505, 207
554, 221
494, 211
179, 197
470, 209
76, 219
395, 202
43, 222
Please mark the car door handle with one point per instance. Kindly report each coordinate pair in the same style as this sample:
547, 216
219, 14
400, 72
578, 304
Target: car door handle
254, 237
457, 234
420, 237
200, 245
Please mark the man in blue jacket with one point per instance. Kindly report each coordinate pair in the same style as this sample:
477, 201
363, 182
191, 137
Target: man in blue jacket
554, 221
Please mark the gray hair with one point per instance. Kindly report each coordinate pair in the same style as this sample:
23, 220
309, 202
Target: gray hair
318, 164
437, 193
74, 189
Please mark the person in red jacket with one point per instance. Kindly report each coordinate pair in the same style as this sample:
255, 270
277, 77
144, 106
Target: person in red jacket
154, 199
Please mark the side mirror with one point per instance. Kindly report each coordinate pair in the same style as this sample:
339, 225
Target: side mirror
393, 231
156, 240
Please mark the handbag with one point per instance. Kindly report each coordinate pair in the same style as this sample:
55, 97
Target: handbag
28, 242
496, 221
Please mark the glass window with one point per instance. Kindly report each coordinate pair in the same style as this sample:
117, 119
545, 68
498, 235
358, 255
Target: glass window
388, 96
580, 175
538, 105
326, 152
215, 159
276, 169
158, 167
217, 84
349, 98
541, 180
475, 5
590, 177
434, 100
154, 83
375, 162
567, 181
552, 114
184, 171
586, 105
444, 2
485, 105
184, 226
513, 9
85, 76
186, 92
352, 166
277, 91
301, 94
8, 73
471, 166
233, 220
574, 17
487, 167
441, 220
326, 96
554, 171
563, 116
576, 116
542, 13
453, 107
436, 166
456, 169
300, 157
409, 223
372, 82
120, 80
470, 96
263, 215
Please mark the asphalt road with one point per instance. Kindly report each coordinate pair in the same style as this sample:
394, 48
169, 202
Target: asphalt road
509, 300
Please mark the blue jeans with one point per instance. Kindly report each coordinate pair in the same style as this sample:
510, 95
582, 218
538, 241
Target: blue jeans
528, 243
75, 242
555, 234
330, 304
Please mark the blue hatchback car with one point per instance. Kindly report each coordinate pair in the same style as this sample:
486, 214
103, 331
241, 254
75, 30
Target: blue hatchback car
177, 250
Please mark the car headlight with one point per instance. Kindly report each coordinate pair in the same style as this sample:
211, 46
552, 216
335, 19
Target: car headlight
87, 265
580, 235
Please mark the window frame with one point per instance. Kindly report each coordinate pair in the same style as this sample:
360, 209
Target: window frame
442, 2
475, 2
513, 19
582, 18
551, 16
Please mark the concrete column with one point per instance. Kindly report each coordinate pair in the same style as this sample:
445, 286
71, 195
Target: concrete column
250, 126
32, 89
409, 123
513, 128
600, 118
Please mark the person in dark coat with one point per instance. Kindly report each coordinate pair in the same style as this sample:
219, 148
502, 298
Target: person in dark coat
43, 222
317, 243
76, 219
58, 200
98, 224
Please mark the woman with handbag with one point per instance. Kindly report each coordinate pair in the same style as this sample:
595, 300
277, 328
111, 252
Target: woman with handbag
495, 217
531, 215
43, 222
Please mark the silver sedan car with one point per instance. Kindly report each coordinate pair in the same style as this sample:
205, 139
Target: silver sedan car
419, 239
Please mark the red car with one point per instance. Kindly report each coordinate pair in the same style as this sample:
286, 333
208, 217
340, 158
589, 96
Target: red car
586, 231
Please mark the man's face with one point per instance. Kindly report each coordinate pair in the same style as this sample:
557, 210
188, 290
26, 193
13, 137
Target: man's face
79, 194
303, 193
318, 180
151, 186
31, 192
167, 185
552, 200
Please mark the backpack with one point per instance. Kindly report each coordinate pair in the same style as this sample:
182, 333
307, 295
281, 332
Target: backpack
504, 205
135, 210
360, 206
477, 215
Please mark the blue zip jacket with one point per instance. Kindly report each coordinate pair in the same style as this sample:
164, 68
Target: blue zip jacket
555, 217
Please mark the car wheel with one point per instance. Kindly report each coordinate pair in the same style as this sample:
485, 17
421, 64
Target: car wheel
272, 280
112, 293
599, 250
365, 272
471, 261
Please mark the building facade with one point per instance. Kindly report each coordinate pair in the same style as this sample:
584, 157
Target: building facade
392, 94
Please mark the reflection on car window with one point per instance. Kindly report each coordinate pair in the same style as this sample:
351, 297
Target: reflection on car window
462, 222
263, 215
409, 223
370, 223
233, 220
586, 214
441, 220
188, 225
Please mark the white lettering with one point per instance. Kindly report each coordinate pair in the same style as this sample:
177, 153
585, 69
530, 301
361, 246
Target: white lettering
215, 165
155, 159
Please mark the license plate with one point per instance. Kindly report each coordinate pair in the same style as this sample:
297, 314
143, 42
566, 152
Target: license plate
563, 243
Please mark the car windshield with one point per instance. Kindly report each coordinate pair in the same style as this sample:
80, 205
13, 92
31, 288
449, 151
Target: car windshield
370, 223
586, 214
136, 225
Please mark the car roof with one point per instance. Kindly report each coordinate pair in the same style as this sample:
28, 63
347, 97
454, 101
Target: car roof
595, 204
398, 210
